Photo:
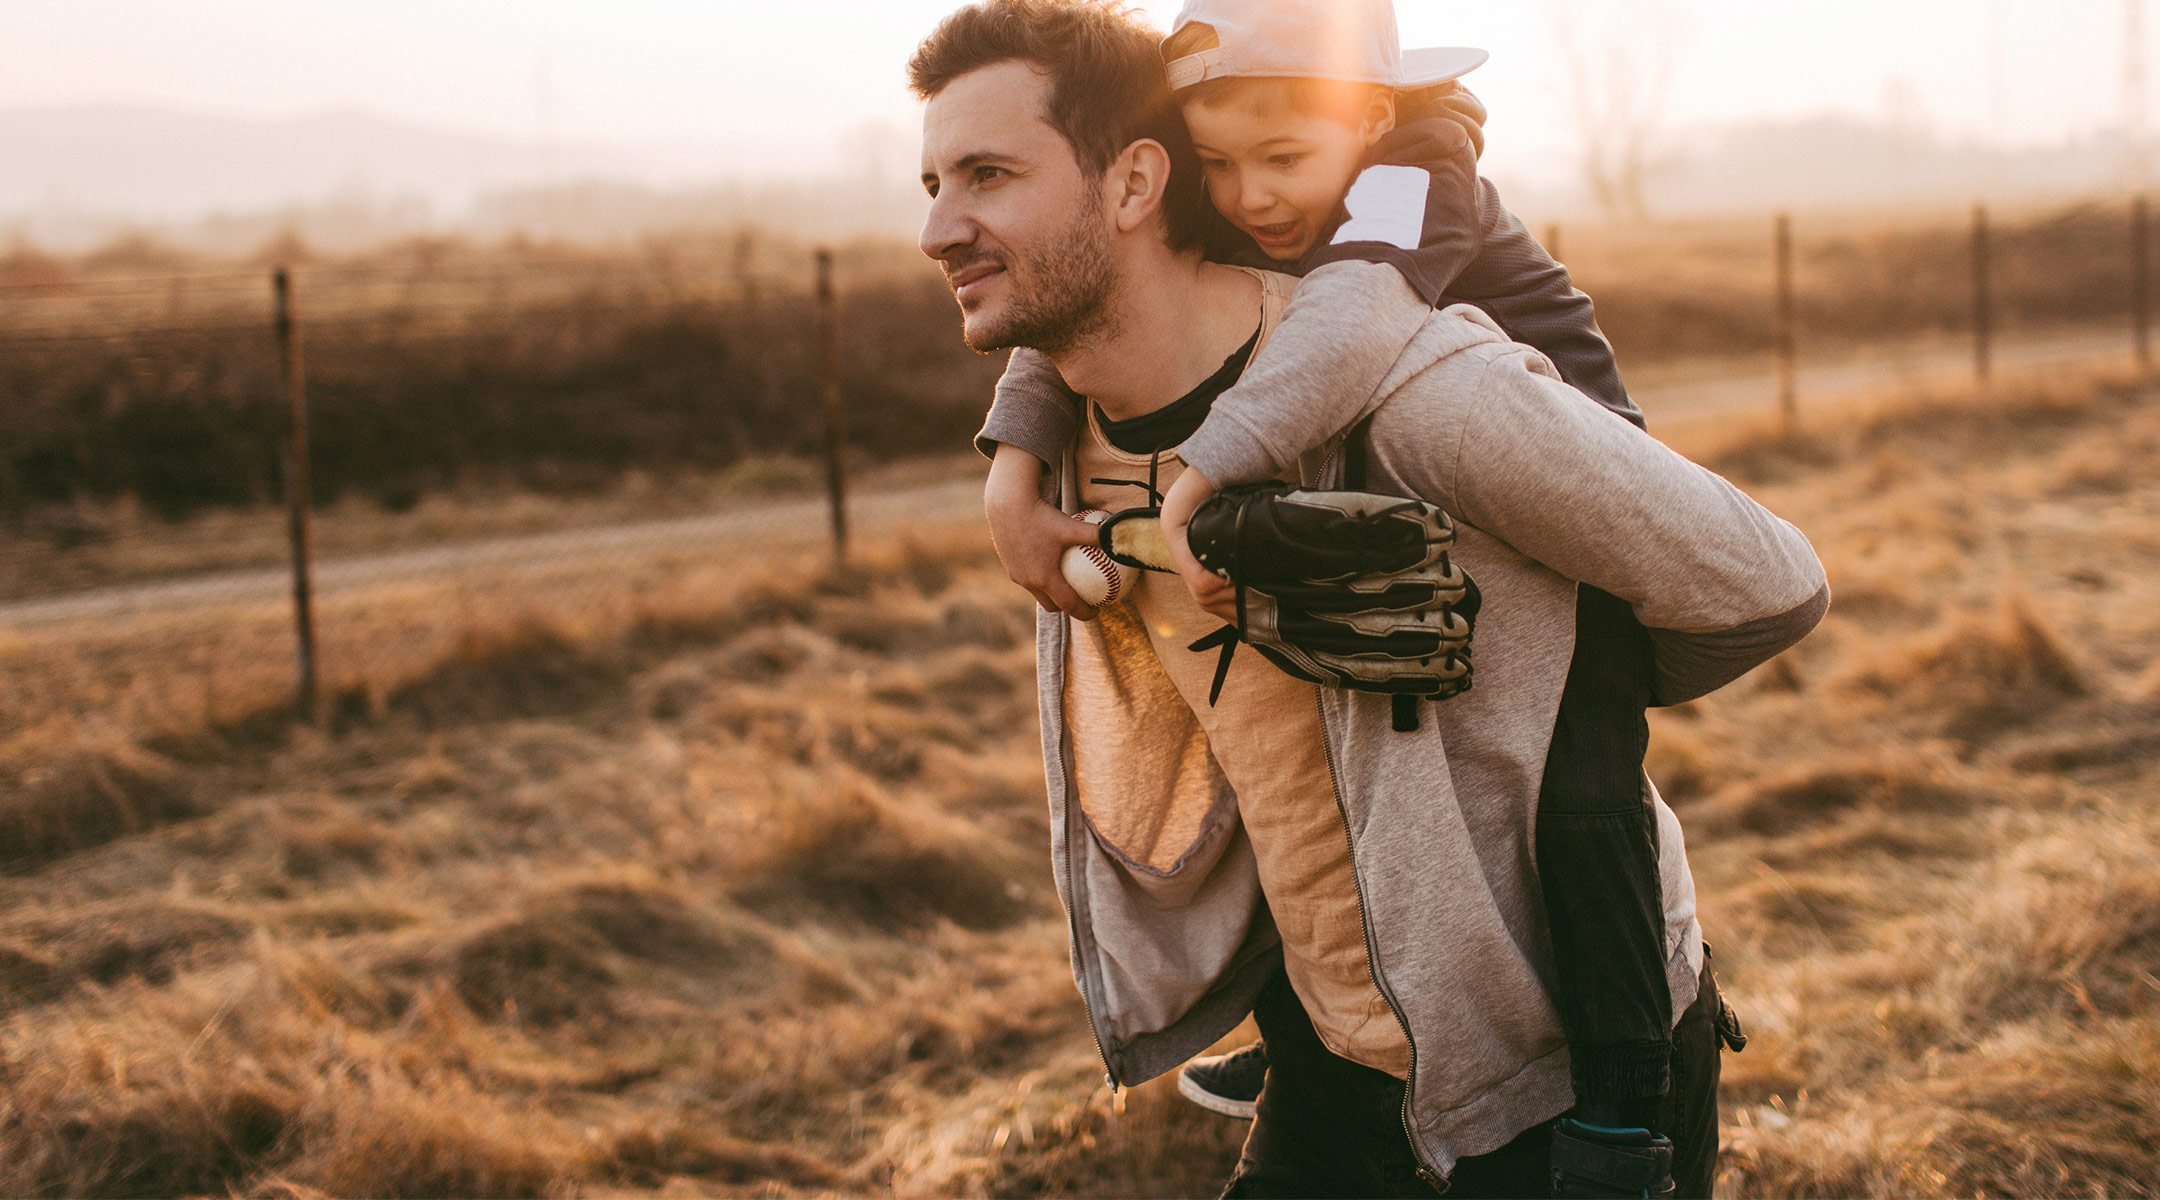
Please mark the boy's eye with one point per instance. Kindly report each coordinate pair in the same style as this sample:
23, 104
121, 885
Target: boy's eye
1285, 160
1214, 164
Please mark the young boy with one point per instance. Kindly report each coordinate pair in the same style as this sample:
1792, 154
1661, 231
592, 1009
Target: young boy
1281, 153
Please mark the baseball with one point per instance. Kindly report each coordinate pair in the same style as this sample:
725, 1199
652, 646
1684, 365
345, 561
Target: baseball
1098, 578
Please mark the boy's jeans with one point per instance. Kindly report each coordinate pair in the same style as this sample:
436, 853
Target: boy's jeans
1330, 1127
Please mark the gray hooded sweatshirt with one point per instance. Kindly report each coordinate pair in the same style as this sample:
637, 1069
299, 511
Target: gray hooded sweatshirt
1547, 491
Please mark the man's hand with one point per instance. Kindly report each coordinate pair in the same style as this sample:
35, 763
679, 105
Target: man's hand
1031, 537
1218, 596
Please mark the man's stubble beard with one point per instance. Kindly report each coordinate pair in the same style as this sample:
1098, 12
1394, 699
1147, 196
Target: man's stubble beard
1061, 293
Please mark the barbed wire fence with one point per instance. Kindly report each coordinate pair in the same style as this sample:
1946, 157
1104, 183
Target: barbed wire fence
183, 606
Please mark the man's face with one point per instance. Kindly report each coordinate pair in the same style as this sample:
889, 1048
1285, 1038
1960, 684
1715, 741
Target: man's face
1019, 227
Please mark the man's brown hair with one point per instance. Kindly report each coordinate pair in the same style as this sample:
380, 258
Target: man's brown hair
1107, 88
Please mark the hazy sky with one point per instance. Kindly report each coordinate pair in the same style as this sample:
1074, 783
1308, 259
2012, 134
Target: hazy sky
736, 86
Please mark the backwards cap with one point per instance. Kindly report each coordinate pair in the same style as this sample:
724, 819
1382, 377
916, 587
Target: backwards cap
1353, 41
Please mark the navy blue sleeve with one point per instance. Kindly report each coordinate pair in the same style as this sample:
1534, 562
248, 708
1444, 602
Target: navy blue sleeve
1452, 233
1534, 300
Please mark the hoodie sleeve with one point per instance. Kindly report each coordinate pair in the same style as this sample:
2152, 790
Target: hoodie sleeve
1721, 583
1032, 409
1317, 374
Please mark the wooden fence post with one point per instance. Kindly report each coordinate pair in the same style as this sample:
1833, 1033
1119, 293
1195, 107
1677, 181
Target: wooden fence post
299, 501
1983, 301
2141, 282
746, 268
1783, 342
835, 414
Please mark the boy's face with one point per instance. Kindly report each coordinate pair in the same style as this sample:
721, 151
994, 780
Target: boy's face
1276, 169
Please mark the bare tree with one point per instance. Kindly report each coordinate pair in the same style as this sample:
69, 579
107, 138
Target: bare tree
1619, 77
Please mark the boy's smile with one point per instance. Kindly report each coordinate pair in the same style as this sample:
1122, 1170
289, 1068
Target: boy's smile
1273, 168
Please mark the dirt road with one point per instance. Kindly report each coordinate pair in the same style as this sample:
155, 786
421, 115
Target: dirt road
1674, 400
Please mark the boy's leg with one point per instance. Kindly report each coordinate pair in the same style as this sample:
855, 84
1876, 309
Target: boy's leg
1690, 1109
1598, 866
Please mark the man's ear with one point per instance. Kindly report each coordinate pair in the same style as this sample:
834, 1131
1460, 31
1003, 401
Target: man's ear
1379, 116
1138, 182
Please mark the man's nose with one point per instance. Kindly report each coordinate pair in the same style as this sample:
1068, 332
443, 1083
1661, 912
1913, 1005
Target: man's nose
946, 230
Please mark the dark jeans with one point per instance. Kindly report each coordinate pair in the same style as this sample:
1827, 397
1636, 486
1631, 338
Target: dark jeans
1329, 1127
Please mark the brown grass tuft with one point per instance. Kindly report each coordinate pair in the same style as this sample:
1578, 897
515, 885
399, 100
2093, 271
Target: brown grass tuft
650, 1157
1986, 674
1808, 797
857, 857
130, 1143
85, 796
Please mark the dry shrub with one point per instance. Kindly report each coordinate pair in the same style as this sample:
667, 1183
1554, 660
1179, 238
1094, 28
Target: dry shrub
649, 1156
2130, 748
318, 840
86, 795
1792, 911
1985, 674
146, 938
27, 976
2041, 1111
1810, 796
125, 1142
2085, 946
856, 856
561, 957
1155, 1143
525, 667
768, 654
380, 1135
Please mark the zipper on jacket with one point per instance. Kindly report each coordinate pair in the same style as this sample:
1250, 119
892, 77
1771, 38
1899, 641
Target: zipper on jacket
1432, 1178
1072, 921
1372, 954
1072, 930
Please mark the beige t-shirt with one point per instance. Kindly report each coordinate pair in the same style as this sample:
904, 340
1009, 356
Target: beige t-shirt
1150, 755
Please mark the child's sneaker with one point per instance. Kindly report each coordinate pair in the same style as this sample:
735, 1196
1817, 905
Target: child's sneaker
1226, 1083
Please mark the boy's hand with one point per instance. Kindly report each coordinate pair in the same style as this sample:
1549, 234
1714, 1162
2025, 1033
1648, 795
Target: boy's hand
1218, 596
1031, 536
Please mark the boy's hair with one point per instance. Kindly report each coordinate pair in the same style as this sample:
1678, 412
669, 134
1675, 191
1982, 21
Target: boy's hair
1333, 98
1107, 88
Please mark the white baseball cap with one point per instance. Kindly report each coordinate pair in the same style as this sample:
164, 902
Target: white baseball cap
1349, 40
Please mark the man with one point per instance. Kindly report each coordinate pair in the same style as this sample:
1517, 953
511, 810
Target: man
1190, 840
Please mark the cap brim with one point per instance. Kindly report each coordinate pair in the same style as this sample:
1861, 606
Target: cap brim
1439, 64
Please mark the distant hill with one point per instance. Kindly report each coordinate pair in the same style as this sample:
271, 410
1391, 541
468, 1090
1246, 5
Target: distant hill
1835, 162
157, 164
77, 176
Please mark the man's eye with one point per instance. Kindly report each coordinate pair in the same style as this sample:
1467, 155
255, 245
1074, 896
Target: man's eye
989, 174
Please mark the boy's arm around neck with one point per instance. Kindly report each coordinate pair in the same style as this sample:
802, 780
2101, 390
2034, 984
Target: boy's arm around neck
1354, 312
1032, 409
1490, 435
1318, 374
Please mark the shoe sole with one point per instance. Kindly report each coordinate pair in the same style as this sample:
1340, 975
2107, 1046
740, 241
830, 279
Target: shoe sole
1242, 1110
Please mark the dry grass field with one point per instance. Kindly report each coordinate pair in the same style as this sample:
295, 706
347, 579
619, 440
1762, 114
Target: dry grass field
707, 878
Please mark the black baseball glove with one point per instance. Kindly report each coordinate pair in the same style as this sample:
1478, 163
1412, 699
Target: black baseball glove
1340, 588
